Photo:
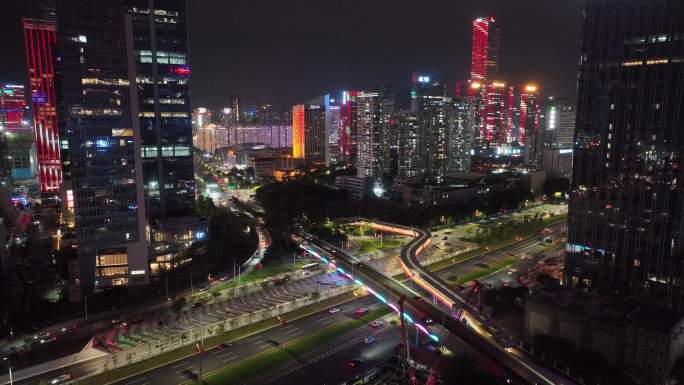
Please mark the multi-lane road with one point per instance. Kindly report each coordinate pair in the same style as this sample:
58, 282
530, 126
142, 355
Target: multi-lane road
385, 285
187, 369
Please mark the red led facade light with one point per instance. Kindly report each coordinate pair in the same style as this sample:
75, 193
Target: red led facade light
40, 38
484, 53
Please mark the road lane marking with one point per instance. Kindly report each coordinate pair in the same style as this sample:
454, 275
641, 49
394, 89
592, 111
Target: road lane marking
189, 368
225, 354
136, 380
229, 359
255, 338
179, 365
296, 333
263, 344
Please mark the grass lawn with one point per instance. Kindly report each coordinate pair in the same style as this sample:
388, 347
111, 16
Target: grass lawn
174, 355
260, 364
465, 278
373, 244
255, 276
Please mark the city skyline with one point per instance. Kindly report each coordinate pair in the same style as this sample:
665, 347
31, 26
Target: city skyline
284, 55
391, 193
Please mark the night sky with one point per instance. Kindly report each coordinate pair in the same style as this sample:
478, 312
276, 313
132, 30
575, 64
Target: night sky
285, 52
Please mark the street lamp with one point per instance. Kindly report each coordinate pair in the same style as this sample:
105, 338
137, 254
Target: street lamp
9, 366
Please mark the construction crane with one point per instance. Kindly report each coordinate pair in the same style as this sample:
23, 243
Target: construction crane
473, 290
405, 355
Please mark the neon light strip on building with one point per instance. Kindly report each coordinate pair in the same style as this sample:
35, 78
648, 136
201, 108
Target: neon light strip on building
298, 131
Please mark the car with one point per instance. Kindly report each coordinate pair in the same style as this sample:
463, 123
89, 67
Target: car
428, 320
224, 345
444, 238
505, 283
224, 278
362, 310
204, 288
41, 336
368, 340
376, 323
509, 272
61, 379
355, 362
419, 299
333, 310
48, 339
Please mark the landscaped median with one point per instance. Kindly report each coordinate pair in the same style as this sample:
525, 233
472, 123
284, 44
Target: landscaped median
465, 278
270, 359
188, 350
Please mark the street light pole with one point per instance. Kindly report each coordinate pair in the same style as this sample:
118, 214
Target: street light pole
9, 366
201, 345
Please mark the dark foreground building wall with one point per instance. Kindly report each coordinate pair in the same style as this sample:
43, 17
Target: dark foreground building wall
624, 230
101, 143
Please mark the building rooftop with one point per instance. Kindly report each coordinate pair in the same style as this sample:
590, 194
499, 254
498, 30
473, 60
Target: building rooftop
655, 317
579, 302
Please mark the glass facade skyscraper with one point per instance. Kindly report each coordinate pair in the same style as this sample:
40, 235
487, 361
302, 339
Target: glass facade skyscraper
101, 143
162, 77
627, 205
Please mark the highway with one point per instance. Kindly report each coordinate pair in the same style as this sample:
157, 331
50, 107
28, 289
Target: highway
514, 360
187, 369
524, 368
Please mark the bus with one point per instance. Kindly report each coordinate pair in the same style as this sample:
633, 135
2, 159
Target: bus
312, 266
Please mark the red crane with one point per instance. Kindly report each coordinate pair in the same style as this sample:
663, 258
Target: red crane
473, 290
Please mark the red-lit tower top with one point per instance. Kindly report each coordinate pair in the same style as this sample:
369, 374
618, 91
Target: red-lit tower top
40, 37
485, 50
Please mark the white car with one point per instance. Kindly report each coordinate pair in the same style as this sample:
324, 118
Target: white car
61, 379
376, 323
369, 340
333, 310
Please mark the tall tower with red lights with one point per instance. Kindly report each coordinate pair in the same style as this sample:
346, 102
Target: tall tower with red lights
40, 37
485, 49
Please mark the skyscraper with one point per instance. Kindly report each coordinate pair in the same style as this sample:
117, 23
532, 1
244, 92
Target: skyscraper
529, 134
161, 69
40, 38
430, 103
370, 138
625, 220
349, 128
101, 147
557, 123
332, 130
460, 122
309, 139
485, 49
410, 159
